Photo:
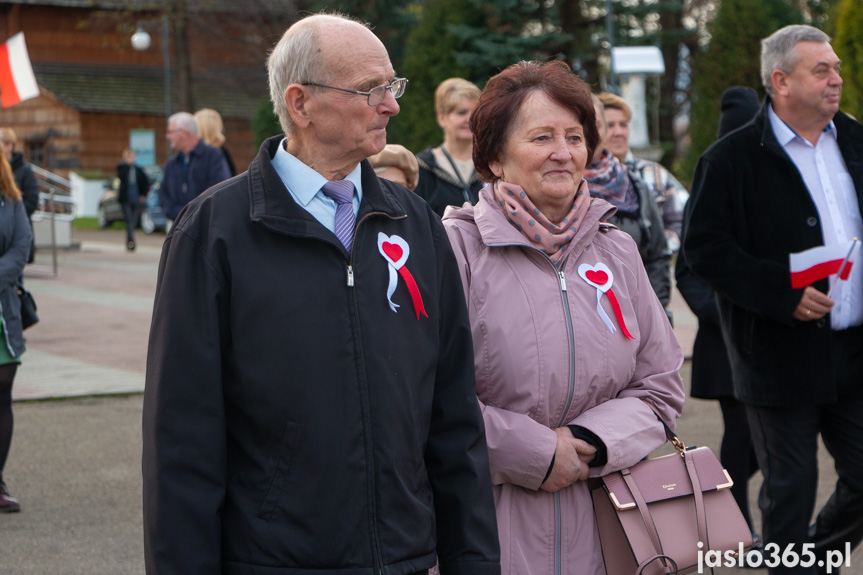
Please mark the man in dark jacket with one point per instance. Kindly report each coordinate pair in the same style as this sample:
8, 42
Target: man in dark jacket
788, 181
134, 185
24, 178
194, 168
310, 402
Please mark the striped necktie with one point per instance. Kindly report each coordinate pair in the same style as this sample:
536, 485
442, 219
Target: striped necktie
342, 192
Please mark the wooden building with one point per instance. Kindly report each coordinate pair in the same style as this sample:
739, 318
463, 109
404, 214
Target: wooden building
96, 89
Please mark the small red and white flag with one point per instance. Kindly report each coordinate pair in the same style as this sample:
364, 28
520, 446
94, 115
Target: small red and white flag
814, 264
17, 82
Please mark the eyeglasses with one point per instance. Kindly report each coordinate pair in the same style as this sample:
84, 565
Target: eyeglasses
376, 95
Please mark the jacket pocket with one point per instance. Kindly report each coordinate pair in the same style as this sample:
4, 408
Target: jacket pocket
282, 468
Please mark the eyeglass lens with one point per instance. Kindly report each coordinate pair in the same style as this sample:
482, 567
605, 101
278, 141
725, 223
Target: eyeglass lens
378, 93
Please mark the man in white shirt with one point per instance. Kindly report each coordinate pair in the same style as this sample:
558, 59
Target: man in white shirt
789, 181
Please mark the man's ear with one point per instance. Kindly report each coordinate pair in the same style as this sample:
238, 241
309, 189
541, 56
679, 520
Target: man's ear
297, 100
779, 79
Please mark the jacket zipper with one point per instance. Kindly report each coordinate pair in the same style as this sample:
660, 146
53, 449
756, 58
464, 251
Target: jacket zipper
356, 228
366, 404
557, 513
562, 279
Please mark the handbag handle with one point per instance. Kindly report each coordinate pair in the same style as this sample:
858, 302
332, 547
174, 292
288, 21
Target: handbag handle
664, 558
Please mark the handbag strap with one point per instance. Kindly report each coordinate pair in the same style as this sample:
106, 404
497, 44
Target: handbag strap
700, 514
648, 521
643, 565
464, 187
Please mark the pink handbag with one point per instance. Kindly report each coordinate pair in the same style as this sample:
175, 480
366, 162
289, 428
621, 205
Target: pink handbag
652, 516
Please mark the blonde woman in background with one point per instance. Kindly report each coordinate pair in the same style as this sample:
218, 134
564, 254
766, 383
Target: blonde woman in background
15, 236
447, 173
212, 131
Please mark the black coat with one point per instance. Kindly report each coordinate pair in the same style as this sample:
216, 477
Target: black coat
25, 179
751, 209
711, 369
140, 177
440, 189
293, 422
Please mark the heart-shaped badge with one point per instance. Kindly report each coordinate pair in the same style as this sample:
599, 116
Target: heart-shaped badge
599, 276
394, 249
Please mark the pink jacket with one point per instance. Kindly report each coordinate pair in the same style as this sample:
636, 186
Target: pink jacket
545, 358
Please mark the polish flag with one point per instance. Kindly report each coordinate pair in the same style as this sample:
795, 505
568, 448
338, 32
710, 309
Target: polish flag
17, 82
818, 263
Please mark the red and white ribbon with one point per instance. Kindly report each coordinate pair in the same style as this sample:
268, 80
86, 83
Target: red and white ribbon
600, 277
396, 250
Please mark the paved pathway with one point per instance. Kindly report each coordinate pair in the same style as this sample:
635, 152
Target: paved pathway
95, 317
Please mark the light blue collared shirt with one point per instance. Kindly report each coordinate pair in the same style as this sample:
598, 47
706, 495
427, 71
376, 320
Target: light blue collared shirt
305, 185
832, 190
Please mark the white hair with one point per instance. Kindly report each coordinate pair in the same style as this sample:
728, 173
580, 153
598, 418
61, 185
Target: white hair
296, 59
777, 50
185, 121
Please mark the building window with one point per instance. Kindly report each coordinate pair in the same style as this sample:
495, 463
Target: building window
36, 153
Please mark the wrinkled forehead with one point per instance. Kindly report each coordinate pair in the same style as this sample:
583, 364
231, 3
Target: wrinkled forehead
351, 51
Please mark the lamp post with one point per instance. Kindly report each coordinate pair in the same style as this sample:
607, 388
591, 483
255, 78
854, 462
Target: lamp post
141, 41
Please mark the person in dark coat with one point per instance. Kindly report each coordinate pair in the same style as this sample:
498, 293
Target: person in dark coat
132, 194
212, 131
711, 369
310, 405
789, 181
25, 179
15, 236
447, 176
192, 169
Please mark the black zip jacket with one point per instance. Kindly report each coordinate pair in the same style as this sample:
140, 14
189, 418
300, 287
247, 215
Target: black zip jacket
439, 188
750, 209
295, 424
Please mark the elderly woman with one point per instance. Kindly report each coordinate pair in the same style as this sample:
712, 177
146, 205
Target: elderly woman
575, 359
669, 193
447, 175
637, 213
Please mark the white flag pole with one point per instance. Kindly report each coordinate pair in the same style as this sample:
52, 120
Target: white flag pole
842, 267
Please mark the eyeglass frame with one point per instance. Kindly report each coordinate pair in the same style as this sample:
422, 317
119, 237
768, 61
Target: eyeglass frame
368, 94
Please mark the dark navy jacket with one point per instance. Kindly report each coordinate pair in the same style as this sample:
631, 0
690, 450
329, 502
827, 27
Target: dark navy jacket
207, 167
294, 424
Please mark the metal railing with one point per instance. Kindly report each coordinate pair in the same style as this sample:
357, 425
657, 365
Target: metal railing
55, 204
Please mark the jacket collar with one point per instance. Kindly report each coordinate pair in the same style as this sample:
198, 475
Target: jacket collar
272, 204
495, 230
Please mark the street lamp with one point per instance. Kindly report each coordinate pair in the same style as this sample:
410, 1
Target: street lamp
141, 41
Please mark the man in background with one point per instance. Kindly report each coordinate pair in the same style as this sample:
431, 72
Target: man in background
788, 181
194, 168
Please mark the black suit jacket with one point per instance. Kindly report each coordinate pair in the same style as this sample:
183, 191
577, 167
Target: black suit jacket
141, 178
751, 209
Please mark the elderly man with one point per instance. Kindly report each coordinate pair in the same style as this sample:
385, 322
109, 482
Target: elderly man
310, 404
194, 168
788, 181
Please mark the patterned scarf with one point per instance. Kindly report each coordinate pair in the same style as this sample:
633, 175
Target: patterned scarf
608, 179
539, 231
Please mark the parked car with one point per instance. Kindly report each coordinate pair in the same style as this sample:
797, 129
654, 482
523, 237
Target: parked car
151, 218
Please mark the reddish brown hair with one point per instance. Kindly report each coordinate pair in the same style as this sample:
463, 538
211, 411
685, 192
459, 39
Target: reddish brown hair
7, 180
503, 96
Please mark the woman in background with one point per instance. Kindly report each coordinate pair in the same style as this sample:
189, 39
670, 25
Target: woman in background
211, 130
15, 237
637, 213
571, 382
447, 173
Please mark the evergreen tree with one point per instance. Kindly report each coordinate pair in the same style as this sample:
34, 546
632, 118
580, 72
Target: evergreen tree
848, 45
733, 58
429, 60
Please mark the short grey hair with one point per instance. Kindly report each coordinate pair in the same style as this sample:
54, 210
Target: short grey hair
777, 50
184, 121
296, 59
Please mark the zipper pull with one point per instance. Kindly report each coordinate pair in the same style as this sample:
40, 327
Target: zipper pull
562, 280
350, 275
